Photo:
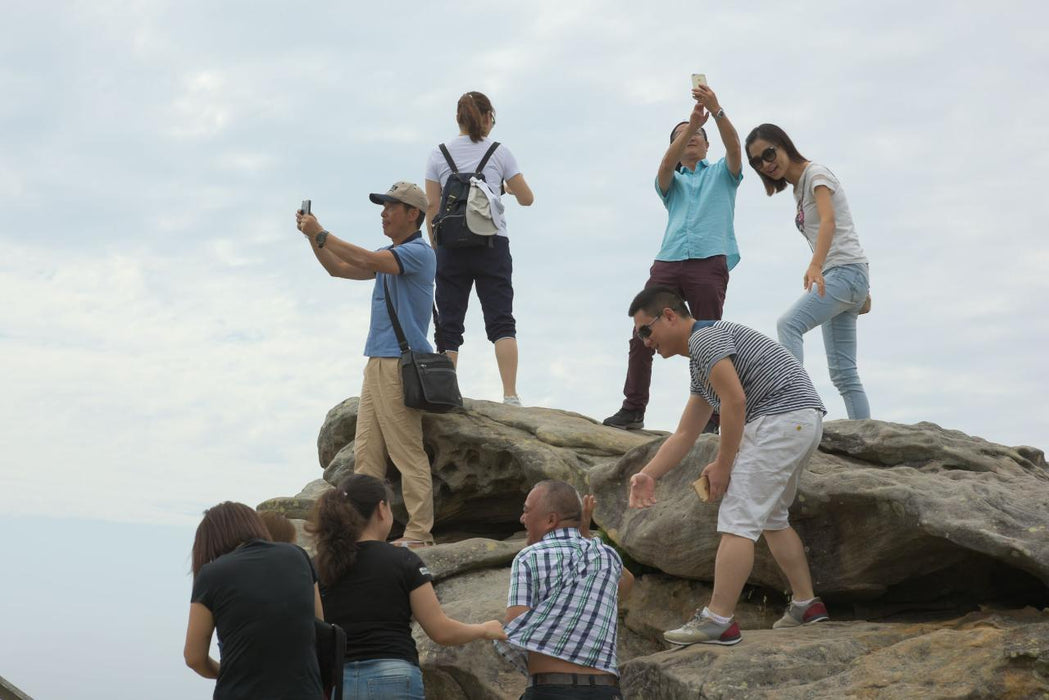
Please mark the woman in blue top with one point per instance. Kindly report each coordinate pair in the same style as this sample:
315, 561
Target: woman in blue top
489, 266
836, 282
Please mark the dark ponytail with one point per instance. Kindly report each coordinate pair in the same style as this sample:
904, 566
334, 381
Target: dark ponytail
338, 520
473, 106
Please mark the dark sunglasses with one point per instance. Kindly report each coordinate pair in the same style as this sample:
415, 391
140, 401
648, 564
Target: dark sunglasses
645, 331
768, 155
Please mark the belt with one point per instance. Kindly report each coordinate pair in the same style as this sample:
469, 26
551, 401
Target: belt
572, 679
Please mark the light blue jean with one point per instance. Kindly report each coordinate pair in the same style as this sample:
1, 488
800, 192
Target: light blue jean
846, 290
382, 679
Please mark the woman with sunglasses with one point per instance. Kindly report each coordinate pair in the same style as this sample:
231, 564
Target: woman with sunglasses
836, 281
490, 267
373, 589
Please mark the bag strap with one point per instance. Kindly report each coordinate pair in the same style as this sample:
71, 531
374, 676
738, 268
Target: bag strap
487, 155
448, 157
393, 317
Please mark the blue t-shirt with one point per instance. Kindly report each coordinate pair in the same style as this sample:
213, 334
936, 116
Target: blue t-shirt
701, 207
412, 292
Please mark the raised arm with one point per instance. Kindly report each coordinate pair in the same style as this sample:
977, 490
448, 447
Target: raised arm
343, 259
444, 630
729, 137
665, 175
693, 419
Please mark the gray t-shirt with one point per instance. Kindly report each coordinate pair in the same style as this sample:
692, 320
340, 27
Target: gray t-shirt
467, 156
772, 380
845, 245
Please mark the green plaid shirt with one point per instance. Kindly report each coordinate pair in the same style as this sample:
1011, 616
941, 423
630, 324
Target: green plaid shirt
570, 584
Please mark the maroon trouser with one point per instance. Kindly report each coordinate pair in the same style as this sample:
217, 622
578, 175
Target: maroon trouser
701, 282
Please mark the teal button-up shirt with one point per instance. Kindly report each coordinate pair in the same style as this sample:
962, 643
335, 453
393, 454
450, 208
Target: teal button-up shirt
701, 207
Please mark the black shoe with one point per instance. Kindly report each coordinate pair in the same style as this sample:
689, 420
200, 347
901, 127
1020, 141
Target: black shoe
626, 419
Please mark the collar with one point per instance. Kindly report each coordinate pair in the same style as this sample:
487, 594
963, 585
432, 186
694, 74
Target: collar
409, 239
704, 163
701, 324
563, 533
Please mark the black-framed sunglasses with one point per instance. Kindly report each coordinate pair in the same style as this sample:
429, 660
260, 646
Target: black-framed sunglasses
768, 155
645, 331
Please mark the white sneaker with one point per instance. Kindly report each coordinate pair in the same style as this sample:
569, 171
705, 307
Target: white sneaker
512, 400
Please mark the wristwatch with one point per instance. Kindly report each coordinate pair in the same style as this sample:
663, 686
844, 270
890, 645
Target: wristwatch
322, 236
720, 114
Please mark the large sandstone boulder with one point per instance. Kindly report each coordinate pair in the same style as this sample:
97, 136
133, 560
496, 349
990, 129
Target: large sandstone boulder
1002, 655
957, 515
486, 458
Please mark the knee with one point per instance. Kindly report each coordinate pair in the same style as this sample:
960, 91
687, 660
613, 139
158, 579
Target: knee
787, 327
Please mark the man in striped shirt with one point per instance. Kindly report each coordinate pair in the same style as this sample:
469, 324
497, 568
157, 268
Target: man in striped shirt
771, 424
562, 604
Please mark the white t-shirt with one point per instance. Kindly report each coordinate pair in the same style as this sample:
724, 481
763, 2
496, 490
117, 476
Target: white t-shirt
845, 246
467, 156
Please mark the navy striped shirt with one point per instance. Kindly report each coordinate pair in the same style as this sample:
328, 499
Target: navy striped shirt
570, 583
773, 380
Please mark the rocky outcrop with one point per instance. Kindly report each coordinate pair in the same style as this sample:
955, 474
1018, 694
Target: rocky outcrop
930, 547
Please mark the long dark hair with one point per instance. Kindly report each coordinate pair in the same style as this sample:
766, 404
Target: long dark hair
339, 518
224, 528
778, 138
470, 113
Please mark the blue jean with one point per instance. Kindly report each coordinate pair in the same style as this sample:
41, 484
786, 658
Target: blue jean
835, 312
382, 679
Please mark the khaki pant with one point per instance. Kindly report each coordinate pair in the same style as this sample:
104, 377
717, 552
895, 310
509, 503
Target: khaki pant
385, 426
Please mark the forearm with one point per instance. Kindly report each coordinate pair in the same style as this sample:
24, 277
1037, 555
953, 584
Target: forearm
669, 455
206, 666
733, 148
733, 417
824, 238
452, 633
336, 267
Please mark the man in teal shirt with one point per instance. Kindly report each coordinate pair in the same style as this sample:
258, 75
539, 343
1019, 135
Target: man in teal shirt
699, 246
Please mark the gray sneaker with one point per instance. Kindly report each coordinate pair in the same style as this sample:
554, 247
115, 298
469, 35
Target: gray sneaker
798, 615
703, 630
626, 419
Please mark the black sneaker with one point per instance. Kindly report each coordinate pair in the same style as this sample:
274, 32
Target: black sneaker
626, 419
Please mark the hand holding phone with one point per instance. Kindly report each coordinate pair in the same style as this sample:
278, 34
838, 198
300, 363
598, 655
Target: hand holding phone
305, 208
699, 79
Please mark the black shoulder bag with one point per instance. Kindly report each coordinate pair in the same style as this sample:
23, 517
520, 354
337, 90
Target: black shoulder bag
429, 378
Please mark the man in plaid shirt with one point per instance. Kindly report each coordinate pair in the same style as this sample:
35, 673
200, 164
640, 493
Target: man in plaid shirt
562, 605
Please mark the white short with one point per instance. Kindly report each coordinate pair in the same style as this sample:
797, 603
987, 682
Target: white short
764, 480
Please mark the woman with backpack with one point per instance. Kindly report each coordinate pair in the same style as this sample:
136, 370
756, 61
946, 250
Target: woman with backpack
836, 282
262, 598
465, 258
373, 589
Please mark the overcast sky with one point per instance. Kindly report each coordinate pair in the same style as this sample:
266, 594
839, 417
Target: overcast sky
167, 340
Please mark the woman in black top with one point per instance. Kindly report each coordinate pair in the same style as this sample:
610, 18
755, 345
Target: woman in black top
263, 598
372, 589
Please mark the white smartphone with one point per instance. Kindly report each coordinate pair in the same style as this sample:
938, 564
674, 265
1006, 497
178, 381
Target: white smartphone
698, 79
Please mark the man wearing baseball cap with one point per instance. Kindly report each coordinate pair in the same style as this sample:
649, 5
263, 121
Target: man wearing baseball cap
384, 423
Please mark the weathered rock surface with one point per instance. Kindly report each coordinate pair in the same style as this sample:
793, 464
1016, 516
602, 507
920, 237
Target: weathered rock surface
913, 524
1002, 655
965, 515
487, 457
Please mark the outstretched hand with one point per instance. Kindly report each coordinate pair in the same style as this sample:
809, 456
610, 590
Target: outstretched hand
308, 224
589, 504
698, 117
493, 629
642, 491
706, 97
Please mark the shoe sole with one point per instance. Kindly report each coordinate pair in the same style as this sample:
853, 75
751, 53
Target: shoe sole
792, 625
628, 426
725, 643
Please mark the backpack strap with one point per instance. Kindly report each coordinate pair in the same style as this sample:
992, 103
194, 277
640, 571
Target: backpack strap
487, 155
448, 157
